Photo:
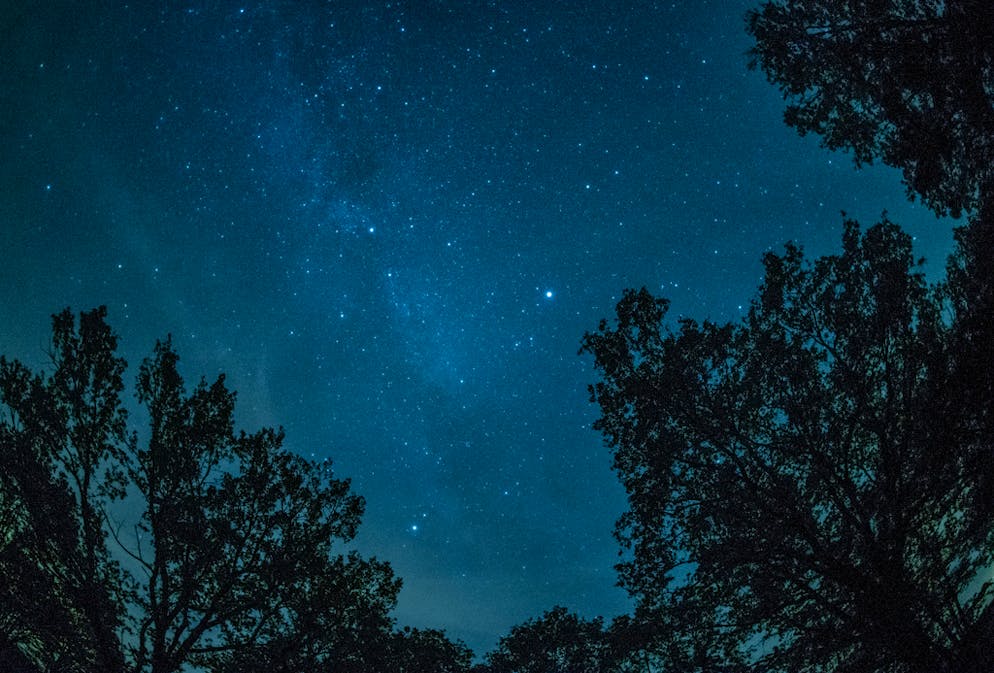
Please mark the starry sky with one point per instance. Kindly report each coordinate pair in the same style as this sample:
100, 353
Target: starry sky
390, 224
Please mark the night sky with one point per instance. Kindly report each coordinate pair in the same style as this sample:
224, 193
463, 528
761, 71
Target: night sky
390, 224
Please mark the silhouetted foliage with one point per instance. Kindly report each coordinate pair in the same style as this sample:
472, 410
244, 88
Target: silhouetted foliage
241, 533
558, 642
424, 651
908, 82
812, 488
234, 562
62, 438
639, 645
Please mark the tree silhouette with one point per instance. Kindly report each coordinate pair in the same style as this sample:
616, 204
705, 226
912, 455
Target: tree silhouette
908, 82
423, 651
235, 563
241, 534
558, 642
810, 489
639, 643
61, 440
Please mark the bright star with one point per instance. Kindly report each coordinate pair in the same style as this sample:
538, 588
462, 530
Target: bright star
548, 294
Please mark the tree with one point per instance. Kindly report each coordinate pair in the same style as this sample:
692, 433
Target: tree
424, 651
809, 489
337, 623
558, 642
241, 535
235, 563
639, 644
908, 82
60, 446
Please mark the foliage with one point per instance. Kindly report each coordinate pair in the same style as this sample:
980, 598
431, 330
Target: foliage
809, 489
424, 651
234, 564
909, 82
638, 644
241, 535
61, 439
558, 642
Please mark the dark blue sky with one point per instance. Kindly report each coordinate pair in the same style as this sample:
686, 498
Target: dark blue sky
391, 223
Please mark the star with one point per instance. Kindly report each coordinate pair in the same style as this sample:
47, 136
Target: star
362, 264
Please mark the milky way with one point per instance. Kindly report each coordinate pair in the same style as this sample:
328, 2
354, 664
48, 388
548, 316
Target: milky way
391, 223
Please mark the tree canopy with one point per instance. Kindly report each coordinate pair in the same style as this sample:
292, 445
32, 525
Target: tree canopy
236, 560
62, 438
907, 82
809, 488
557, 642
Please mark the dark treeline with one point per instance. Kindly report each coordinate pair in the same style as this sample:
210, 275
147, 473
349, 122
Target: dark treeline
810, 488
234, 561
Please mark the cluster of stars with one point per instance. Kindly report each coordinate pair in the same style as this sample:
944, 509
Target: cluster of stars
392, 228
